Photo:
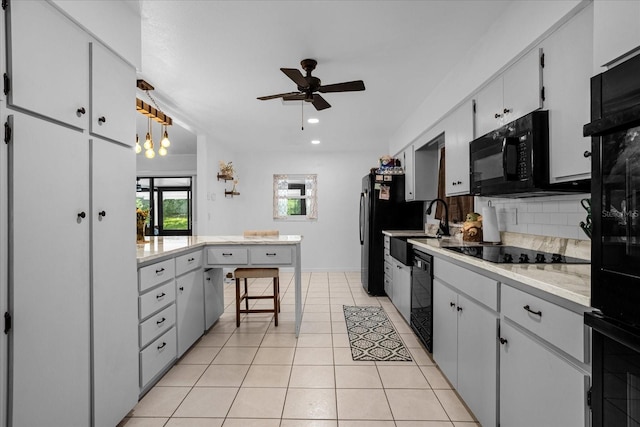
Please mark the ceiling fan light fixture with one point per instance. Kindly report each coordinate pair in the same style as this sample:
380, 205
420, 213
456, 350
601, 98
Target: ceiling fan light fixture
313, 120
315, 141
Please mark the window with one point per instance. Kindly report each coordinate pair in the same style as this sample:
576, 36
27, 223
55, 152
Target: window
169, 203
295, 197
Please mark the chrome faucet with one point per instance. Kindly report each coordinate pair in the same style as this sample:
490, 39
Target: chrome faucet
444, 225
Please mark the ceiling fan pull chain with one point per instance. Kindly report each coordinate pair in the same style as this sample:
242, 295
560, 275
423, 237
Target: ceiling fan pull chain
302, 114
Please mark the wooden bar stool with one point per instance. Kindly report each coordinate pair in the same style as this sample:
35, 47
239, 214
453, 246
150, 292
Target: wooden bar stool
257, 273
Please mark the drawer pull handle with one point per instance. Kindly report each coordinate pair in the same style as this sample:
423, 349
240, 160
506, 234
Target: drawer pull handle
160, 296
160, 271
227, 254
503, 340
537, 313
160, 322
271, 254
160, 347
191, 259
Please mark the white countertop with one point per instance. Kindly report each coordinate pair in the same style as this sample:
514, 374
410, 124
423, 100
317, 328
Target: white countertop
158, 247
569, 281
404, 233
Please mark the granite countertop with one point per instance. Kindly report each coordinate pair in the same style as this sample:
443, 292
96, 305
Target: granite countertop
569, 281
160, 246
404, 233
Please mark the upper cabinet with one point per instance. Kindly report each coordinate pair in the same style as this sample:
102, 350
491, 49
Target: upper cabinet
511, 95
616, 31
420, 162
567, 71
47, 63
458, 135
113, 95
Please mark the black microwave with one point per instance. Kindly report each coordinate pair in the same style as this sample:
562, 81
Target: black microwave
513, 161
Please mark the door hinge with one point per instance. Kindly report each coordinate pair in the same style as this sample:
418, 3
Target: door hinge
7, 322
7, 84
542, 94
589, 398
7, 133
542, 60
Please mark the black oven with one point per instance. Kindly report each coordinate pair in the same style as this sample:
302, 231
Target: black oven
421, 319
514, 160
615, 259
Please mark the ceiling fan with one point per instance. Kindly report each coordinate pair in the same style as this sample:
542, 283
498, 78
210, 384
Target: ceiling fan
308, 85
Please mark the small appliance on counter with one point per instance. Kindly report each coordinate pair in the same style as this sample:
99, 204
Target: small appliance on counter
615, 247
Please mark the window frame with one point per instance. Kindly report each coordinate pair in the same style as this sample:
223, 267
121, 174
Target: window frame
281, 197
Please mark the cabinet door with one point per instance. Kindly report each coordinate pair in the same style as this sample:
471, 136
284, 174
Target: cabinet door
47, 63
477, 355
457, 138
189, 297
522, 85
113, 96
114, 292
409, 178
445, 330
538, 388
49, 285
616, 31
402, 289
489, 107
213, 296
567, 72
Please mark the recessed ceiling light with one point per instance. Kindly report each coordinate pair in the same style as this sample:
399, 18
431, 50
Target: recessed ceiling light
315, 142
313, 120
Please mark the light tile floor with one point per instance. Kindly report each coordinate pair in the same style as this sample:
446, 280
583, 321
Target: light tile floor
259, 375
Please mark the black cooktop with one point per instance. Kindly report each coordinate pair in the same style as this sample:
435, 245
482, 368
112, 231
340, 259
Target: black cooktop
515, 255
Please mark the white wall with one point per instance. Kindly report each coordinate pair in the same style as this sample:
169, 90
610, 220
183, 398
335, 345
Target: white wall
331, 242
170, 165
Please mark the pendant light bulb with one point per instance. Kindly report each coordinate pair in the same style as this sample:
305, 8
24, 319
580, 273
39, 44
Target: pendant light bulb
150, 154
147, 141
138, 146
162, 151
165, 139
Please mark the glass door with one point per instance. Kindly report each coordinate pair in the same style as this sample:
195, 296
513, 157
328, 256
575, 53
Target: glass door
168, 203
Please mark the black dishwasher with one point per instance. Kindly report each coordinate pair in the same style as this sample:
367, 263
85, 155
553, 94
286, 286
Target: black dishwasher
422, 297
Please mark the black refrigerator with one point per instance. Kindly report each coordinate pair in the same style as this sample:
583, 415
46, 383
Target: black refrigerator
382, 207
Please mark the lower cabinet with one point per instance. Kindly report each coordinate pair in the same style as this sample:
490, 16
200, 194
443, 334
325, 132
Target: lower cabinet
465, 348
401, 297
538, 387
213, 296
190, 309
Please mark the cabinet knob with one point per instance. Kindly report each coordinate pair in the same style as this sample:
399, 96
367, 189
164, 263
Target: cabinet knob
102, 120
453, 183
503, 340
506, 111
181, 288
497, 115
587, 154
452, 304
459, 308
102, 214
80, 111
81, 216
459, 182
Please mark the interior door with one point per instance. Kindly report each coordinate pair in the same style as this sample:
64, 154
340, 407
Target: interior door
49, 380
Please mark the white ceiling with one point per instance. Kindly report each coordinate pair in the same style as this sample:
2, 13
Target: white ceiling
209, 60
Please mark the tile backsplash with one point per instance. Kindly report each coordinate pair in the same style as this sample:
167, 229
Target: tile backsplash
557, 216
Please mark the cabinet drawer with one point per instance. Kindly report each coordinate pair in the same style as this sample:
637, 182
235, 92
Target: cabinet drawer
156, 299
477, 286
155, 274
188, 262
387, 242
157, 356
157, 324
557, 325
387, 269
231, 255
271, 255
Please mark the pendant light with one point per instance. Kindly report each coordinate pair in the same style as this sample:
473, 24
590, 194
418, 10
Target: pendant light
148, 144
157, 115
138, 146
165, 138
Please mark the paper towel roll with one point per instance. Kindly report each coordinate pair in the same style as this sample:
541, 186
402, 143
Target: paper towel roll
490, 232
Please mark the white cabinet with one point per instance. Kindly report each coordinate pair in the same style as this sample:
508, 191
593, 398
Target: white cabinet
113, 291
49, 343
213, 296
409, 178
47, 63
458, 135
420, 172
511, 95
538, 387
388, 271
401, 279
465, 336
190, 309
616, 31
113, 94
568, 57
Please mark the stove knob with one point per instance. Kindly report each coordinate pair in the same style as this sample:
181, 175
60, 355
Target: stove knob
508, 258
556, 258
524, 258
540, 258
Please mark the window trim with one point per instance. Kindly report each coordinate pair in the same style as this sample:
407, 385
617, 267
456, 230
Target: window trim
310, 197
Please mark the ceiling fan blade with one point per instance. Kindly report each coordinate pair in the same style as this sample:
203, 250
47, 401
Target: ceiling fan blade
280, 95
343, 87
296, 97
320, 103
295, 75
